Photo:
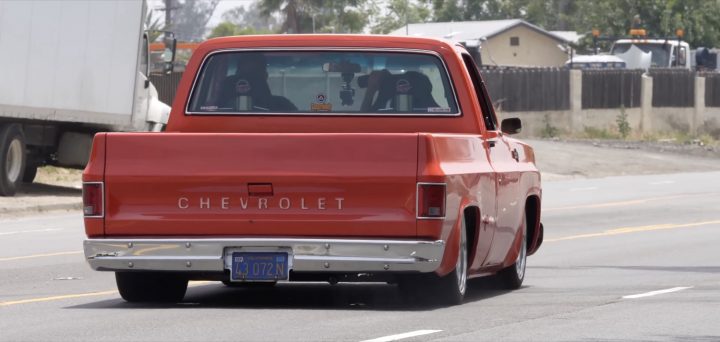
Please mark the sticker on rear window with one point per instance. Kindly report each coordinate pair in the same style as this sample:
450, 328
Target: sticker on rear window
439, 110
320, 104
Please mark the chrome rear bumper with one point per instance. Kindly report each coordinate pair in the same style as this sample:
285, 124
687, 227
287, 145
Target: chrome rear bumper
306, 255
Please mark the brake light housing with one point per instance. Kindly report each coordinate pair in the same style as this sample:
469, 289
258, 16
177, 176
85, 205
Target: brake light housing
431, 198
93, 200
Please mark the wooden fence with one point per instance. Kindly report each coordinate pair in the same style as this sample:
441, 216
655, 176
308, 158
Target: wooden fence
712, 89
536, 89
673, 87
166, 86
611, 88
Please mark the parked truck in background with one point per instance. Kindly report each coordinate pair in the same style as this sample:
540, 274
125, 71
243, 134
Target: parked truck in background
638, 51
67, 71
652, 53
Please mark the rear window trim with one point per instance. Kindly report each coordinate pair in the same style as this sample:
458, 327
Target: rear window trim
321, 114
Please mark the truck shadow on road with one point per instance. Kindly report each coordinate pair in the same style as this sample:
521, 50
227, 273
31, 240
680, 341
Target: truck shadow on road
39, 189
320, 296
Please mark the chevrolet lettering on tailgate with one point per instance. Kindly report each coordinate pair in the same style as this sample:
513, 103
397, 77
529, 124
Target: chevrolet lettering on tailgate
330, 158
244, 203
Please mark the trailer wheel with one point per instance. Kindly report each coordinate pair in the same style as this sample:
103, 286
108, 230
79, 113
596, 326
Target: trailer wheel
12, 158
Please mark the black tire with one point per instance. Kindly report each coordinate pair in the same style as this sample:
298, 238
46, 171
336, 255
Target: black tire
30, 173
12, 158
448, 290
511, 278
151, 287
452, 287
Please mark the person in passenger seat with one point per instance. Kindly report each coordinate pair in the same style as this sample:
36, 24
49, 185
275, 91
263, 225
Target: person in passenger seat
413, 93
248, 89
407, 92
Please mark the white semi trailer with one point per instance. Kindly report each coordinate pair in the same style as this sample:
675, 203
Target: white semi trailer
69, 69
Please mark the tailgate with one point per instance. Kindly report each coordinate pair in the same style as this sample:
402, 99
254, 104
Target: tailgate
183, 184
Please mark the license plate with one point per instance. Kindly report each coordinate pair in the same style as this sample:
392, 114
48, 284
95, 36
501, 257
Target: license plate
259, 266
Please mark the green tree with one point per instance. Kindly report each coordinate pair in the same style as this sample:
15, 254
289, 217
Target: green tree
700, 19
250, 17
447, 10
307, 16
189, 18
223, 29
398, 13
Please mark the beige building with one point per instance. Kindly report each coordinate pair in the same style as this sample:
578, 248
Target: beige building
511, 42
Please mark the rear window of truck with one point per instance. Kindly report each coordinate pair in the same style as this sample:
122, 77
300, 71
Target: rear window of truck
323, 83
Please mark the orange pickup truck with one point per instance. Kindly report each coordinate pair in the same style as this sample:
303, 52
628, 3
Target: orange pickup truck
331, 158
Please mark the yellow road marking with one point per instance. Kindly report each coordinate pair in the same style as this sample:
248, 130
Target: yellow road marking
627, 230
79, 295
621, 203
39, 256
47, 299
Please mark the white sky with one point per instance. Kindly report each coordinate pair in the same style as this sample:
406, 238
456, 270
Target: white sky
222, 7
225, 5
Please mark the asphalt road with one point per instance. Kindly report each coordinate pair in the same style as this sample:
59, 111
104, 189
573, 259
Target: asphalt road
624, 258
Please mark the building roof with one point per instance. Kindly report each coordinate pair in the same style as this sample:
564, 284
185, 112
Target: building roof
570, 36
464, 31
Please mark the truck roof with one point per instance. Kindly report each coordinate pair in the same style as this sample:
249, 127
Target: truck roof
327, 40
465, 122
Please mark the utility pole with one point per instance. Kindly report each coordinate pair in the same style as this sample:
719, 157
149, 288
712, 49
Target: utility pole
168, 13
169, 8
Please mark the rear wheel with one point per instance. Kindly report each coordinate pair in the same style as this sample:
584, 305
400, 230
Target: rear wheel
12, 158
511, 278
452, 287
447, 290
151, 287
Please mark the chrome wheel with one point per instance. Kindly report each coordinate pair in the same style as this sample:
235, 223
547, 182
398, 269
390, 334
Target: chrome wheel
522, 258
13, 161
461, 265
449, 289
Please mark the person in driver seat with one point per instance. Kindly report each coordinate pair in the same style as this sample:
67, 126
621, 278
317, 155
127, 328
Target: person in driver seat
248, 90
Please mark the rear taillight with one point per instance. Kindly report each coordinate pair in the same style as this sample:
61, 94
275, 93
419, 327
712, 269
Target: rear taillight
431, 200
93, 203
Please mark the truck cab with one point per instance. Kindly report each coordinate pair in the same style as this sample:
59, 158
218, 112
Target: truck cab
652, 53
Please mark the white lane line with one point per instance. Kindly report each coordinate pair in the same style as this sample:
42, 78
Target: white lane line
403, 336
31, 231
584, 189
663, 182
658, 292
